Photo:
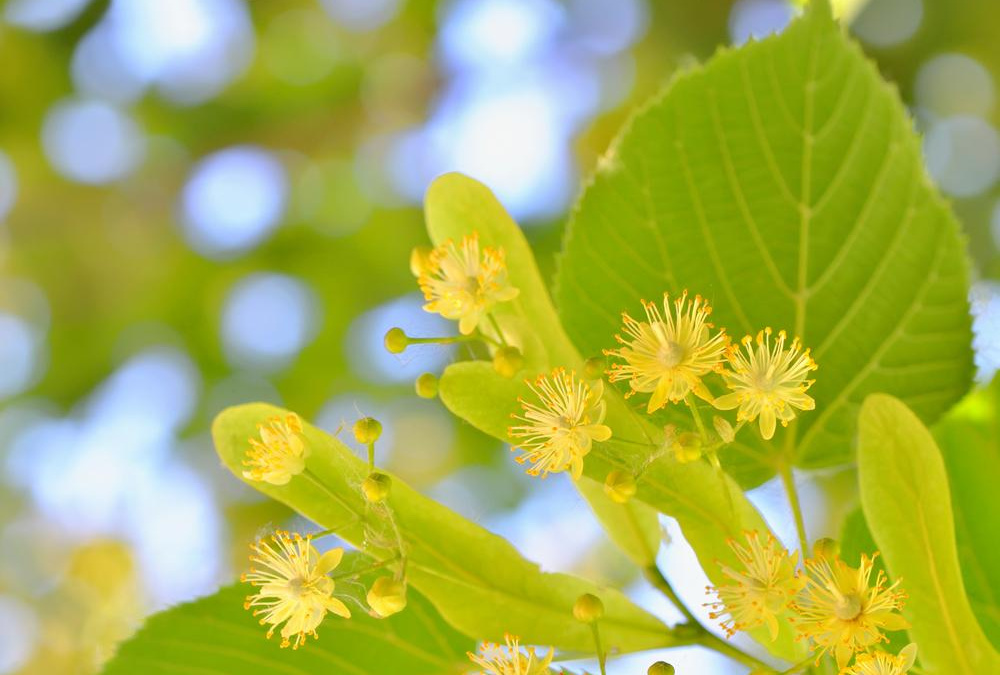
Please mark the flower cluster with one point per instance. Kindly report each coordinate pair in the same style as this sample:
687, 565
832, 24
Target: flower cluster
280, 453
836, 608
495, 659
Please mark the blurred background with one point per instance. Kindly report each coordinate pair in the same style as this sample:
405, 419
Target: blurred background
208, 202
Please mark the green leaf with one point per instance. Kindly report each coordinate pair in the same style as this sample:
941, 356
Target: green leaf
905, 497
784, 182
635, 528
969, 438
216, 635
477, 581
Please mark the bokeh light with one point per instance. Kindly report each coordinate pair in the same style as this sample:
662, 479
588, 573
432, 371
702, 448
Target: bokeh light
8, 185
42, 15
985, 300
361, 15
887, 23
498, 34
189, 49
18, 633
963, 155
233, 199
758, 19
20, 354
955, 84
268, 318
92, 141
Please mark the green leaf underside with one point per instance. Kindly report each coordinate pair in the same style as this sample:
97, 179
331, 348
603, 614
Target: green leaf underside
478, 582
969, 439
906, 501
783, 181
215, 635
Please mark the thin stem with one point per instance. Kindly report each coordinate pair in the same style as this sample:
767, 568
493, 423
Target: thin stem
602, 658
704, 638
350, 574
496, 327
655, 577
788, 479
447, 340
714, 642
371, 456
689, 399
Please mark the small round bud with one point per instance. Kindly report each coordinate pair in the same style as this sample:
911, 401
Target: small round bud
427, 385
387, 597
508, 361
594, 367
826, 548
588, 608
724, 429
619, 486
376, 487
396, 341
367, 430
660, 668
687, 447
420, 258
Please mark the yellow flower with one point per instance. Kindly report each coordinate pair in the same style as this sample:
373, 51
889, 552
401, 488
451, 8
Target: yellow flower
881, 663
841, 610
463, 282
294, 586
279, 454
763, 589
557, 434
497, 660
768, 381
668, 354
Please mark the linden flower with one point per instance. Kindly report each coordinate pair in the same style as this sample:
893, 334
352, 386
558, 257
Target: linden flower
763, 589
881, 663
668, 354
463, 282
510, 660
279, 454
558, 434
767, 380
841, 610
294, 586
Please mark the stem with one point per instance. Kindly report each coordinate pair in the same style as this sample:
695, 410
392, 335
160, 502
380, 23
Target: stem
689, 399
445, 340
371, 457
788, 479
350, 574
655, 577
798, 666
704, 638
496, 327
712, 641
601, 656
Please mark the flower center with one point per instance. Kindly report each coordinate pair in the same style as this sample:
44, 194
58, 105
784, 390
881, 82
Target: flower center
848, 607
671, 354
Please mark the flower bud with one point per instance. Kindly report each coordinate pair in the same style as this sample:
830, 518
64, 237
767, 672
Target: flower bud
687, 447
660, 668
376, 487
826, 548
619, 486
419, 259
427, 385
387, 597
367, 430
593, 368
588, 608
508, 361
724, 429
396, 341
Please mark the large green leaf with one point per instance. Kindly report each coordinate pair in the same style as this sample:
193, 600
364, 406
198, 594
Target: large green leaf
905, 497
475, 579
216, 635
969, 438
784, 182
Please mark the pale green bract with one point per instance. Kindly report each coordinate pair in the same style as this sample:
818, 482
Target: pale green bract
905, 496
